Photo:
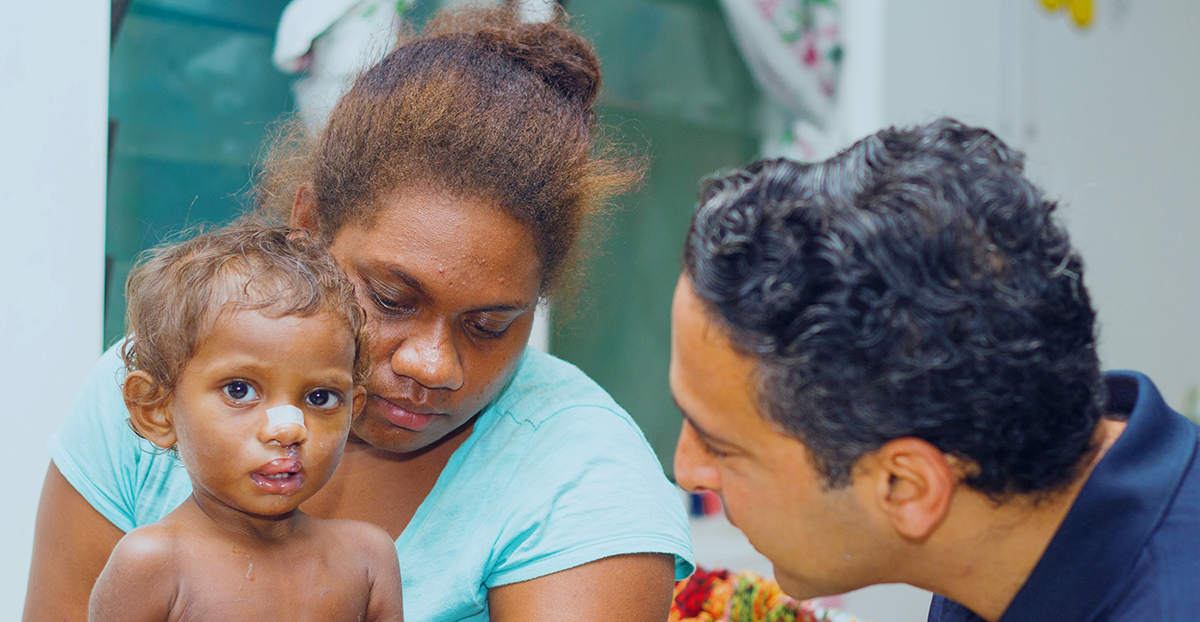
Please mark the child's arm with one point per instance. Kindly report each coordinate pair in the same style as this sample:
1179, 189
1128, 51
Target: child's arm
139, 582
384, 573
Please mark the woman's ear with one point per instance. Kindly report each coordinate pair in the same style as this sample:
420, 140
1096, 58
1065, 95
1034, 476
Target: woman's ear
912, 483
149, 409
304, 210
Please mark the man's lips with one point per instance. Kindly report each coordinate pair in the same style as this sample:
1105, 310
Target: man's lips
281, 476
402, 417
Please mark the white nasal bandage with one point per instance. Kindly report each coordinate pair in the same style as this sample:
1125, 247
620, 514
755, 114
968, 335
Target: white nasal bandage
285, 414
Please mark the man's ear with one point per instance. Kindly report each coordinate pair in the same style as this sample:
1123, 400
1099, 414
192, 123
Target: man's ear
912, 483
304, 210
149, 409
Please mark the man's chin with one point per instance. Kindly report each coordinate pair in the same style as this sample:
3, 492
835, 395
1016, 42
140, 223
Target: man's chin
800, 589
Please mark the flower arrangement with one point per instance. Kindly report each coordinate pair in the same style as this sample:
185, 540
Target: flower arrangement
718, 595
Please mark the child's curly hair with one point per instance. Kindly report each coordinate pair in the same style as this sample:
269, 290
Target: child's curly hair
176, 292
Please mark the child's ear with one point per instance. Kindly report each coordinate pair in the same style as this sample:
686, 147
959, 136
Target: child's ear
304, 210
149, 412
358, 401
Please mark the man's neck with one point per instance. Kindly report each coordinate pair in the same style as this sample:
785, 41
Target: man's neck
986, 552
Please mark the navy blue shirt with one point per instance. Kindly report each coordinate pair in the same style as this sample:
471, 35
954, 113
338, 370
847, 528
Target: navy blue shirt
1129, 548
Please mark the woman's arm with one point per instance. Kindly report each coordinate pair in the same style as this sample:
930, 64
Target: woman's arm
635, 588
71, 544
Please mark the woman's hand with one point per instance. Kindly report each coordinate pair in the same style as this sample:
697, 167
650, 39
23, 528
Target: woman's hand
71, 544
634, 588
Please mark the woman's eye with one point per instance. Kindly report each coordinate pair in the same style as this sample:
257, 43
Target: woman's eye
324, 398
388, 304
240, 391
485, 332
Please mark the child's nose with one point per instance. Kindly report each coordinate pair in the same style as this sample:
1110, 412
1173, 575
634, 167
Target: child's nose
285, 425
285, 434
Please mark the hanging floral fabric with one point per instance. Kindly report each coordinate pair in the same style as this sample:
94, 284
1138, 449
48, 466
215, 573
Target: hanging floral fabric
794, 49
330, 42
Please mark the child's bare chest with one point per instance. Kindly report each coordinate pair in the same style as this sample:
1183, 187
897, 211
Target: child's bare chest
242, 586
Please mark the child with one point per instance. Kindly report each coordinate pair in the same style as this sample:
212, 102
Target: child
246, 357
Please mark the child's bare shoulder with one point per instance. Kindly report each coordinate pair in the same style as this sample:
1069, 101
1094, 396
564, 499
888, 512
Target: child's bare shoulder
153, 548
363, 538
358, 533
140, 578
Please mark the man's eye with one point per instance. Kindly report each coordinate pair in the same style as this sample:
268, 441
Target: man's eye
324, 398
712, 451
240, 391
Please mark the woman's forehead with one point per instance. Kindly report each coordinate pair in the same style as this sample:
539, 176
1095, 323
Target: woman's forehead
443, 243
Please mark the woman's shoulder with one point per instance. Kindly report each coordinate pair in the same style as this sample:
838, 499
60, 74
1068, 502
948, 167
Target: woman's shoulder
128, 480
554, 423
98, 413
546, 387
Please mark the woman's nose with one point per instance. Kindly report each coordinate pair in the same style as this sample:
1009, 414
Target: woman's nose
430, 357
694, 468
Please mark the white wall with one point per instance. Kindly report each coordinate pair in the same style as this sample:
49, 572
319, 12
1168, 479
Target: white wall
54, 123
1111, 124
1110, 121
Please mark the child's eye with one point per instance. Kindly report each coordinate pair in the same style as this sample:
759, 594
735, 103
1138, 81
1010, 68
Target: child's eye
240, 391
324, 398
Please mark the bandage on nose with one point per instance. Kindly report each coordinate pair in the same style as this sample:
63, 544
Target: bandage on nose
282, 415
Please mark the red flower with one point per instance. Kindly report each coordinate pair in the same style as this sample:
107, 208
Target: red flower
693, 592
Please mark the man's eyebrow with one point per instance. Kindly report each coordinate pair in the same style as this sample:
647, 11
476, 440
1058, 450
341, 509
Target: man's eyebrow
692, 422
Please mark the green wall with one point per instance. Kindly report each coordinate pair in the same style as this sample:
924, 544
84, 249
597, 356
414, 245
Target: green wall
192, 93
674, 85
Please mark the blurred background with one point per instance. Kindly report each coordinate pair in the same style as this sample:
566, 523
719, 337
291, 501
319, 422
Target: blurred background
124, 122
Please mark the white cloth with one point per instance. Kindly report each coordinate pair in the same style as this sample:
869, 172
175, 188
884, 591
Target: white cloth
332, 42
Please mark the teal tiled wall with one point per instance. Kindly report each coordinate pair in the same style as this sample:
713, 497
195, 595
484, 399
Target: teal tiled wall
192, 94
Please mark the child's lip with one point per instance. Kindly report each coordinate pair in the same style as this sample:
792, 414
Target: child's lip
280, 465
281, 476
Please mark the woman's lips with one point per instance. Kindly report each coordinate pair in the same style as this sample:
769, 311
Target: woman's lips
402, 417
281, 476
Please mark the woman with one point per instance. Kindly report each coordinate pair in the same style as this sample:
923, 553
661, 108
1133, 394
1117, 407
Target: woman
451, 184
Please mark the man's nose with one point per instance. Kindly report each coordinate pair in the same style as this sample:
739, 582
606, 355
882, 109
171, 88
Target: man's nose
694, 468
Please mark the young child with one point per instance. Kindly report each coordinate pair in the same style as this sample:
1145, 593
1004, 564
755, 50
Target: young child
246, 357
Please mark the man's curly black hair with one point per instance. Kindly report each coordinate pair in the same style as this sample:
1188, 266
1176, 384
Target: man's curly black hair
914, 285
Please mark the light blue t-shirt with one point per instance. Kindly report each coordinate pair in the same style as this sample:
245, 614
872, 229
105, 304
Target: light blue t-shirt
554, 475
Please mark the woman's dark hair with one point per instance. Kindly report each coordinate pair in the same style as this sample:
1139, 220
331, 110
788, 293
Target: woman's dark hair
479, 105
915, 285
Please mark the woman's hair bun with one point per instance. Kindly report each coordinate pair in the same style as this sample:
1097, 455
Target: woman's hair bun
563, 59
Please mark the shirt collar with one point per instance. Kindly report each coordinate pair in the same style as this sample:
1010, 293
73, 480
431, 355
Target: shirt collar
1116, 511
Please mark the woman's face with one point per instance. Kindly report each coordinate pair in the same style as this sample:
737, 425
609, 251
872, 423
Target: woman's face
450, 287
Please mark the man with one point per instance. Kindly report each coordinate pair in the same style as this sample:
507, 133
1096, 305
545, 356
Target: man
887, 367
